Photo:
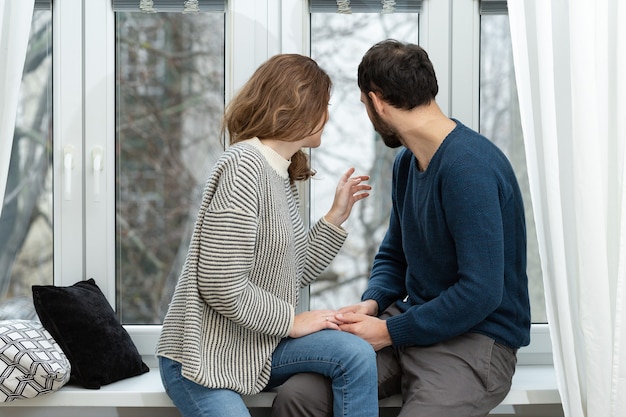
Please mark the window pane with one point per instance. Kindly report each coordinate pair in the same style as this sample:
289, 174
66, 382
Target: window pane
26, 223
170, 100
338, 42
500, 122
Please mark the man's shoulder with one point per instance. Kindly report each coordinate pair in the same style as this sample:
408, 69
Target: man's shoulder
404, 157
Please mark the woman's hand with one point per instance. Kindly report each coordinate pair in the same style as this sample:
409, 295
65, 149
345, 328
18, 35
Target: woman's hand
309, 322
349, 191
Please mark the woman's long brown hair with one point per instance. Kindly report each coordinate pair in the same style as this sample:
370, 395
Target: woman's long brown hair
285, 99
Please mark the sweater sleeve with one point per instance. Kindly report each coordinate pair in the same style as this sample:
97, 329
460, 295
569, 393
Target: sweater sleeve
386, 284
226, 235
325, 241
387, 280
224, 264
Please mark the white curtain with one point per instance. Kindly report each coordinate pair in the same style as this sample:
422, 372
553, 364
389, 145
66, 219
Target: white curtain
15, 20
570, 66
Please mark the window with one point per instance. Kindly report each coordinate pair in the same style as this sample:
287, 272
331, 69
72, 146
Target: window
338, 42
169, 104
500, 121
26, 223
145, 92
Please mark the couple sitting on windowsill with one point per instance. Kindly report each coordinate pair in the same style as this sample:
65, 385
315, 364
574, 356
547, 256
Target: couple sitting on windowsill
446, 307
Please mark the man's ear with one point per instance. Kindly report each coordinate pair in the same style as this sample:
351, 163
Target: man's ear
377, 101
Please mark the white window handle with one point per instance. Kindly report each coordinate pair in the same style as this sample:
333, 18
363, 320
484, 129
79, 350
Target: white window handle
68, 165
97, 155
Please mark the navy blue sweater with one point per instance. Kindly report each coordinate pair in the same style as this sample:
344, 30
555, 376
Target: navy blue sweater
454, 256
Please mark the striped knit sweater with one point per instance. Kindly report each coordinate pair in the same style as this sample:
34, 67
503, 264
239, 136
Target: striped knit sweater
248, 257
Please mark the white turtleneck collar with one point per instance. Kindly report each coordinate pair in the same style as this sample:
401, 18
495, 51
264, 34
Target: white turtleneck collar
276, 161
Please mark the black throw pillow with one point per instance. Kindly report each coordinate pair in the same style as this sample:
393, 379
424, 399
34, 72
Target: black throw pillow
83, 323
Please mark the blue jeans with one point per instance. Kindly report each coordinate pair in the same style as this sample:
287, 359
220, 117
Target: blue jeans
347, 360
193, 399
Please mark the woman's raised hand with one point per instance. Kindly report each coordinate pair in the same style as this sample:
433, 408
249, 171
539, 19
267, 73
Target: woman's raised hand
350, 189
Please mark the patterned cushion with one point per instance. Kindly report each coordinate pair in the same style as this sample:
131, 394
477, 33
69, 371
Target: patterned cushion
31, 362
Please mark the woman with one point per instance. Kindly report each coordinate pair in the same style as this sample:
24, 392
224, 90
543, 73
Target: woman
231, 328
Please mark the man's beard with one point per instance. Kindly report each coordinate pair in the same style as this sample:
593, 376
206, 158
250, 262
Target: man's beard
386, 132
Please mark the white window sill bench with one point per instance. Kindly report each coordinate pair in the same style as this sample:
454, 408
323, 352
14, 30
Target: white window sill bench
532, 385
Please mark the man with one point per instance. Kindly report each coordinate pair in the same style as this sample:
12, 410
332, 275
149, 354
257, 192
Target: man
447, 305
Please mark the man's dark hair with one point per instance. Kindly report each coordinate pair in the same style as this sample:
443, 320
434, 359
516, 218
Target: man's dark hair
400, 72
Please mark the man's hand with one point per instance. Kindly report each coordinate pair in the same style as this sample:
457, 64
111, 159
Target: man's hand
369, 307
372, 329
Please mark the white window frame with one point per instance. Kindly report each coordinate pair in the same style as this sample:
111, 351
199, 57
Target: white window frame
67, 134
84, 116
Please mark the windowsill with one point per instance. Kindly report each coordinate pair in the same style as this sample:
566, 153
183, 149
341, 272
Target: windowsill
534, 382
531, 385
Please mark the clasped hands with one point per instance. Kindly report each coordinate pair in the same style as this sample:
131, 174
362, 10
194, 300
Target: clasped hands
359, 319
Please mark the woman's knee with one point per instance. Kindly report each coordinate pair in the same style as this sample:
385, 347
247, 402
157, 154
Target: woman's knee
360, 351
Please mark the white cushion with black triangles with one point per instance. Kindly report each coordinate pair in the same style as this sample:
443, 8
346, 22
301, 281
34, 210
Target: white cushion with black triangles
31, 361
